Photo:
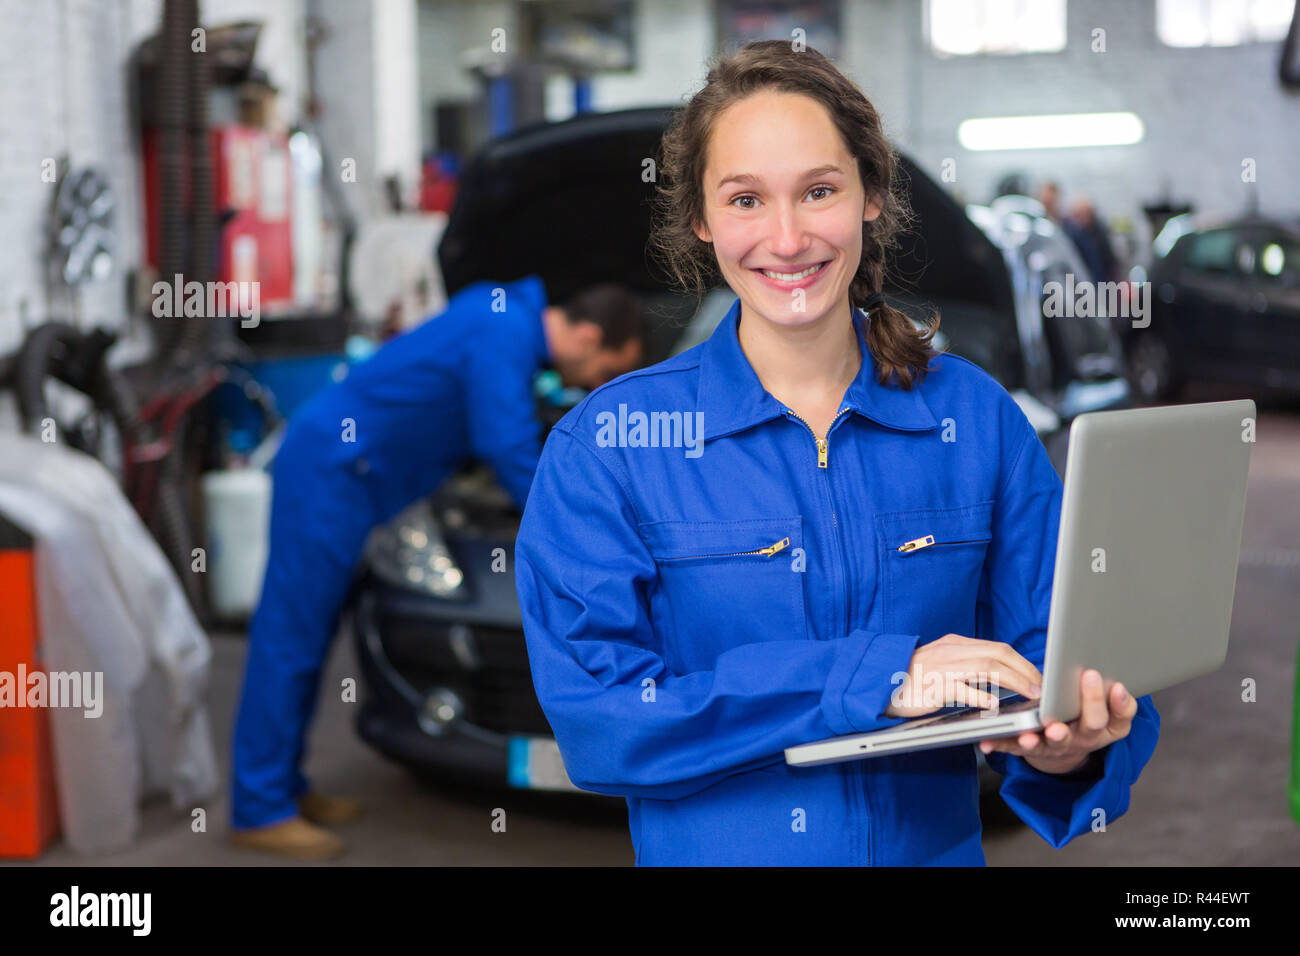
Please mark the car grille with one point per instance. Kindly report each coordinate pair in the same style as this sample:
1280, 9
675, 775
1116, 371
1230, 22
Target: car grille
498, 692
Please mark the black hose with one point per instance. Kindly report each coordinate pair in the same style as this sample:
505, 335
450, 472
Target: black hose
186, 248
117, 398
175, 530
57, 350
203, 217
173, 101
32, 368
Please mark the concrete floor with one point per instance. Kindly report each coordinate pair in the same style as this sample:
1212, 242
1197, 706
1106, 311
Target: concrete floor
1213, 793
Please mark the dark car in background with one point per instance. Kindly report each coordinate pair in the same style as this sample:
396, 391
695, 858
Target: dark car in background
435, 617
1225, 307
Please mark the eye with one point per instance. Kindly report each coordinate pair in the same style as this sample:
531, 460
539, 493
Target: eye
746, 196
823, 189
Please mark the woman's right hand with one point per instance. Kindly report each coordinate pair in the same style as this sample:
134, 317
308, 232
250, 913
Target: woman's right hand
949, 671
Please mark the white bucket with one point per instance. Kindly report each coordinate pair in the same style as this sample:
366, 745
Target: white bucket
238, 508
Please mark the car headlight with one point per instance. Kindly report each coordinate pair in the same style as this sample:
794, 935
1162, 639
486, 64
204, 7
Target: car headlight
409, 552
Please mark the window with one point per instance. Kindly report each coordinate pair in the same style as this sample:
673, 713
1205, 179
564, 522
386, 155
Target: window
963, 27
1217, 251
1222, 22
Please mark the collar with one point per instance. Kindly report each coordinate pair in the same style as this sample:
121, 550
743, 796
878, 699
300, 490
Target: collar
732, 398
533, 290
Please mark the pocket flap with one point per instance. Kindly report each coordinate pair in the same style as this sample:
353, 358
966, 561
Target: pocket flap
972, 523
668, 540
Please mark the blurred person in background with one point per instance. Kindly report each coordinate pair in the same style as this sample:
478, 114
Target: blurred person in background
458, 386
1083, 228
1093, 240
1049, 194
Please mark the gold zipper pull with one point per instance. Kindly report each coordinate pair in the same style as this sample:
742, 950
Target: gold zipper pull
916, 543
774, 548
821, 452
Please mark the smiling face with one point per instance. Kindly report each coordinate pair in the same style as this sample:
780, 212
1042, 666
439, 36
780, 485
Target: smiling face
784, 207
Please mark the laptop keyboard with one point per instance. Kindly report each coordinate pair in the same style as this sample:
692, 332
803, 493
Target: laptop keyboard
1014, 708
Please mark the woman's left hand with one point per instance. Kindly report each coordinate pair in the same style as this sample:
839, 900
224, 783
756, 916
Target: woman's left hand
1061, 747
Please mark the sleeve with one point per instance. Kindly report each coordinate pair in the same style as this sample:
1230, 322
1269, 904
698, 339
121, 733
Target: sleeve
625, 723
503, 425
1015, 596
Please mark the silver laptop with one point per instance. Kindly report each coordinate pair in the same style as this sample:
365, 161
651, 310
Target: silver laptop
1163, 492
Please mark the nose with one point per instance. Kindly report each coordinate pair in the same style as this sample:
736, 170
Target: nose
786, 231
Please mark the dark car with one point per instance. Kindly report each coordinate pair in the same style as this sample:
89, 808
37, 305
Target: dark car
1225, 307
435, 615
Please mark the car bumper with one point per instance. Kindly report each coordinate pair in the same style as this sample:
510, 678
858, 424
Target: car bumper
447, 697
415, 655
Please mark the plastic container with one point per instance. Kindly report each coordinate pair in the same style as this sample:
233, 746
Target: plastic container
237, 503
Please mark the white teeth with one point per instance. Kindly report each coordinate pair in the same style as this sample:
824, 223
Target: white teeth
790, 276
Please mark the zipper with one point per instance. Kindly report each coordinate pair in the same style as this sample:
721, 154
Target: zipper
770, 550
823, 455
916, 544
823, 443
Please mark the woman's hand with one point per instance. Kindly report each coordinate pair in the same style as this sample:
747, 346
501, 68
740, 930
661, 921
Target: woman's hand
949, 671
1065, 747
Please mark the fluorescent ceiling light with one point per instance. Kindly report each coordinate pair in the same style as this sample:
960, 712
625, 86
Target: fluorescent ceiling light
1050, 132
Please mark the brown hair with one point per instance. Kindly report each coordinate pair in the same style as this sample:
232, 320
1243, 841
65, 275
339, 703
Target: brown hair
613, 308
898, 346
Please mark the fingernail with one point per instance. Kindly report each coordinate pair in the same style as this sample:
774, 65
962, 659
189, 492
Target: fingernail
1093, 677
1035, 690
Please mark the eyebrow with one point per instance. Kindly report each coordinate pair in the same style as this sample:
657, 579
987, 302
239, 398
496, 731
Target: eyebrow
749, 179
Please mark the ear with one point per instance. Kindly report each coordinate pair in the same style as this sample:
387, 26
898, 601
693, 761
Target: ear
632, 353
873, 208
589, 336
702, 231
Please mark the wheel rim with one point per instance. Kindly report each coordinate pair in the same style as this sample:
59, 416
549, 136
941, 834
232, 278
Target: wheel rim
1151, 366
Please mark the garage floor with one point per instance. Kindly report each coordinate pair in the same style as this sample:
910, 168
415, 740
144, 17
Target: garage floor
1213, 794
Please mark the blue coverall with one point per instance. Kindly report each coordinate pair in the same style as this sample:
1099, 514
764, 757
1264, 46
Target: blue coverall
690, 615
355, 455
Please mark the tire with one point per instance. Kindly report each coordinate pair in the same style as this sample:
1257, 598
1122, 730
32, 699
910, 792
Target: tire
1153, 372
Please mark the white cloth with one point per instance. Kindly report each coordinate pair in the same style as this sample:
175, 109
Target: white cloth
108, 601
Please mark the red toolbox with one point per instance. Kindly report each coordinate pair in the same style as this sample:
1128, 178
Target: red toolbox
29, 810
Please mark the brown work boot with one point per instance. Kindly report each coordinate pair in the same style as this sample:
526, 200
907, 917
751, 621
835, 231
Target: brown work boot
294, 837
328, 811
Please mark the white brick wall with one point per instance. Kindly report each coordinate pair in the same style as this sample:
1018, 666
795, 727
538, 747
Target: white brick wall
64, 89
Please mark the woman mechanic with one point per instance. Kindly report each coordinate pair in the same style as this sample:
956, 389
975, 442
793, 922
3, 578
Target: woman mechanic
689, 613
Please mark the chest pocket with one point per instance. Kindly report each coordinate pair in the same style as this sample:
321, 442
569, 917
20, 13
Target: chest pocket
932, 562
726, 583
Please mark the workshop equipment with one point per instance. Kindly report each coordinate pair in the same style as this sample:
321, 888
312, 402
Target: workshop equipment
29, 809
